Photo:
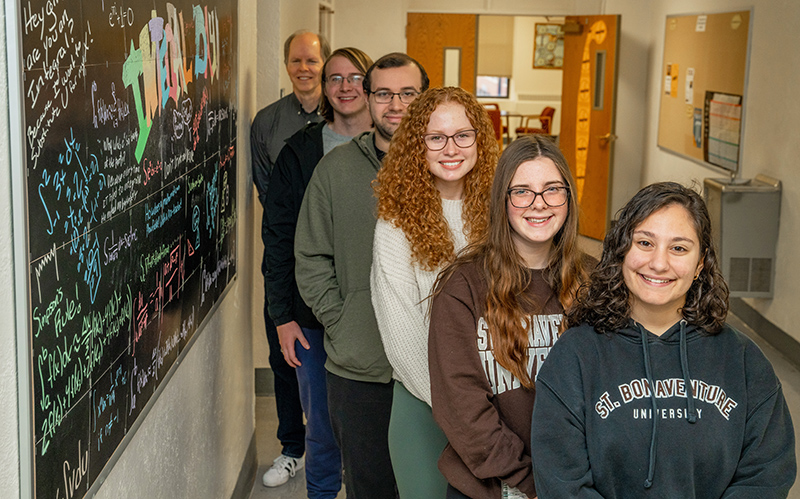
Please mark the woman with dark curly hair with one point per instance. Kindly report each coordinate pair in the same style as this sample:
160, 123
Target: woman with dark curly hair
433, 191
653, 393
496, 313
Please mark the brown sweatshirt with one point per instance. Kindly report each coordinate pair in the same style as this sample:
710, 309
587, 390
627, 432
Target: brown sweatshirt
484, 411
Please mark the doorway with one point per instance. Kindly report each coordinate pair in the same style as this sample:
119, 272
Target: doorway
532, 89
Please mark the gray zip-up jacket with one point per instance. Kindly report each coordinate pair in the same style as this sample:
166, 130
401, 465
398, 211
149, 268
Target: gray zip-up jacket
333, 254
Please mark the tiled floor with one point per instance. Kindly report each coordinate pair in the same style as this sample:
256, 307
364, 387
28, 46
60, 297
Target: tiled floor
268, 449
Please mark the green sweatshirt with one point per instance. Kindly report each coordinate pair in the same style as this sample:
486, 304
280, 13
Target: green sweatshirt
333, 253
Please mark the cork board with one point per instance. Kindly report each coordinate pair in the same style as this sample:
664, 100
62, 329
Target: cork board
705, 59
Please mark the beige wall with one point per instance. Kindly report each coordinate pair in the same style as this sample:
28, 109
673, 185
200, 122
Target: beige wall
770, 144
275, 24
634, 57
377, 28
532, 89
513, 7
295, 15
9, 440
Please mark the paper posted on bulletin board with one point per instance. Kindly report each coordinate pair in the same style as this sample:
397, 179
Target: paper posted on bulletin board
722, 125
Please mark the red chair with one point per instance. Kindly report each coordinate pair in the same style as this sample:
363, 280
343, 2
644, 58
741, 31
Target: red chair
546, 120
494, 115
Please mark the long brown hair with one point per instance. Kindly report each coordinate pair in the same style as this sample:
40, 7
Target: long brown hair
405, 189
508, 307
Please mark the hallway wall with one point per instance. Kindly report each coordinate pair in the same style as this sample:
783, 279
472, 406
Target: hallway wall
770, 144
9, 439
270, 79
194, 441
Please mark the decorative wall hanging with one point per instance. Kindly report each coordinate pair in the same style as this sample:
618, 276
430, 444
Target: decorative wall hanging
548, 46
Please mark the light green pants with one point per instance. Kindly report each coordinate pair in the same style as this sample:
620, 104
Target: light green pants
415, 444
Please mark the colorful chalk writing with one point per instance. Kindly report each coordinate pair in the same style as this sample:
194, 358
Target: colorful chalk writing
131, 167
157, 72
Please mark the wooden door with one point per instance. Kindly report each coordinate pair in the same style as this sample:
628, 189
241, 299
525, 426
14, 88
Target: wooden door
427, 37
588, 101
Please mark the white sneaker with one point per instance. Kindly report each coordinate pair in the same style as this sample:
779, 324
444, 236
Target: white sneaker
283, 467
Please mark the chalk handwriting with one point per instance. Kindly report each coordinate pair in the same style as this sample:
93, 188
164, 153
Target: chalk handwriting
74, 476
212, 204
57, 48
112, 246
181, 117
41, 265
113, 113
119, 16
103, 329
75, 185
156, 215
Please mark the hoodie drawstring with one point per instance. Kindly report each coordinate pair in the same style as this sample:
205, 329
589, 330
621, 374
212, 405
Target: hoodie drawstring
651, 469
692, 412
687, 382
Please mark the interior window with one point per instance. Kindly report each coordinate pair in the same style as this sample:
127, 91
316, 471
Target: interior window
492, 86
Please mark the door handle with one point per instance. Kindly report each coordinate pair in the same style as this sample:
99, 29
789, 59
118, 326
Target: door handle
605, 139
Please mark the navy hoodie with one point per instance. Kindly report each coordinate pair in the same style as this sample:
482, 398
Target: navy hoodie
614, 417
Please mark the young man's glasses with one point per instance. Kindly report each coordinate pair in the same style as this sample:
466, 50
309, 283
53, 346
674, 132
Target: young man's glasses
524, 198
438, 141
337, 80
385, 97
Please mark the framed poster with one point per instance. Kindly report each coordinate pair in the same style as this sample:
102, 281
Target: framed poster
548, 46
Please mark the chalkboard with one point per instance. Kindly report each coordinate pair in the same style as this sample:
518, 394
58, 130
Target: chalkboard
130, 160
703, 81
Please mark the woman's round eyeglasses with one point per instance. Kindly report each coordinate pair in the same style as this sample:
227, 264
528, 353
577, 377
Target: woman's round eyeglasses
438, 141
524, 198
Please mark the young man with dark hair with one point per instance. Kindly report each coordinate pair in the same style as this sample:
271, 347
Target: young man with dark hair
333, 252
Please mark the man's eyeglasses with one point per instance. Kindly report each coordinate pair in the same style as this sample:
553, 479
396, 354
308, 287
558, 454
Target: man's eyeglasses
385, 97
438, 141
524, 198
337, 80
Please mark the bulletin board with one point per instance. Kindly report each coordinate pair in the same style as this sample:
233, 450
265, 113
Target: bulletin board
128, 168
703, 87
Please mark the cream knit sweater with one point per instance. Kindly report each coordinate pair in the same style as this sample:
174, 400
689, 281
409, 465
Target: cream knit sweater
400, 292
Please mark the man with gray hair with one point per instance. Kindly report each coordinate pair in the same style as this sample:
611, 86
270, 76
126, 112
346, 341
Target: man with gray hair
304, 54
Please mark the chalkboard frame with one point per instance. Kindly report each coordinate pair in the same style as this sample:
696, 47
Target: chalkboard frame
744, 89
21, 253
22, 276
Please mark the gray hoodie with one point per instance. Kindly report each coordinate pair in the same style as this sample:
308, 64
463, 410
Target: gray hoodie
333, 253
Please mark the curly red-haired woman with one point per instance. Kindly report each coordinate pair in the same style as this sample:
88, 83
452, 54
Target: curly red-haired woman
433, 192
